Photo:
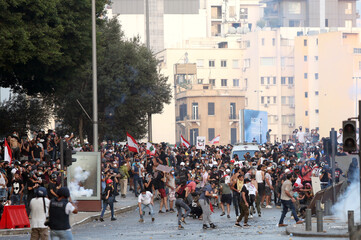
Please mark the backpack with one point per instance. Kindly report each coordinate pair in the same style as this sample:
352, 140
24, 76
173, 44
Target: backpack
180, 191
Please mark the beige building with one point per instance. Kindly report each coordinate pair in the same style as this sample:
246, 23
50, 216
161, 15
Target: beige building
268, 76
327, 72
210, 77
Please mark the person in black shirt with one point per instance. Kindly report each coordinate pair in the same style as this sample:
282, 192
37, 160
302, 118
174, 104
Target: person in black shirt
181, 194
53, 186
244, 205
16, 190
108, 199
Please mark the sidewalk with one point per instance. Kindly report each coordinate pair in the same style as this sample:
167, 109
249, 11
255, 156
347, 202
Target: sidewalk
331, 229
123, 205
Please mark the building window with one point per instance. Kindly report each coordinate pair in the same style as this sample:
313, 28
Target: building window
348, 9
268, 61
348, 23
306, 113
262, 80
195, 111
268, 80
223, 63
262, 41
232, 111
211, 63
233, 135
268, 100
305, 58
200, 81
316, 111
224, 82
247, 63
212, 82
235, 82
305, 75
305, 42
283, 80
291, 100
274, 80
211, 108
290, 80
235, 63
273, 42
200, 63
216, 12
210, 134
306, 94
316, 93
262, 100
316, 58
316, 76
283, 100
317, 38
246, 83
357, 50
274, 100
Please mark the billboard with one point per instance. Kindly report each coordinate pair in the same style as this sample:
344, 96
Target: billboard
253, 126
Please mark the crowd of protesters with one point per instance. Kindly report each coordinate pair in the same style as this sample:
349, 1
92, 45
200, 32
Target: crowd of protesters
194, 182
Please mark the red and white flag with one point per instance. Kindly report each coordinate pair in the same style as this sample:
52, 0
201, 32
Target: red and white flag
132, 144
215, 140
184, 142
150, 149
7, 153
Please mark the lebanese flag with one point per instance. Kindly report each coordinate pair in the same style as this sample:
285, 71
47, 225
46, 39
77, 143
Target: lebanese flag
184, 142
132, 144
215, 140
7, 153
150, 149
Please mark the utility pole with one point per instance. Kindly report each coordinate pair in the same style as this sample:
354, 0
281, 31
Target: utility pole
62, 161
359, 150
95, 81
148, 46
333, 137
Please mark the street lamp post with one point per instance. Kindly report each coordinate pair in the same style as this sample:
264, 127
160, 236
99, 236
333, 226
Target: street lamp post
258, 91
95, 88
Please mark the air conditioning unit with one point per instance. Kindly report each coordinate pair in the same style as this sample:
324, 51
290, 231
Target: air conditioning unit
276, 118
266, 105
267, 86
292, 105
290, 86
244, 69
291, 125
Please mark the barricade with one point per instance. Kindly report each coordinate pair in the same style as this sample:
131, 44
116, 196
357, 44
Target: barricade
14, 217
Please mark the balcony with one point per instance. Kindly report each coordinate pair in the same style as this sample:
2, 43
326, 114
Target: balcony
194, 118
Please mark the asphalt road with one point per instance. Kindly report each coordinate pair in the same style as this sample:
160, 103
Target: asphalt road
165, 227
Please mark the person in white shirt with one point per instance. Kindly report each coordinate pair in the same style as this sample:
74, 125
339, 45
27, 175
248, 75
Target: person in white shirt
145, 199
39, 210
300, 136
269, 187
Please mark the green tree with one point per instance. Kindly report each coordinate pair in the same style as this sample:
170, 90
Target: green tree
43, 42
129, 86
22, 113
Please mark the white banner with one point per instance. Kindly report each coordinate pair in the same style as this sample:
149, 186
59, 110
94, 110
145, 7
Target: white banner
201, 142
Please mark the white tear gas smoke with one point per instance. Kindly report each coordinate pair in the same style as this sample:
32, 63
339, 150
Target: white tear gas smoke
350, 200
76, 190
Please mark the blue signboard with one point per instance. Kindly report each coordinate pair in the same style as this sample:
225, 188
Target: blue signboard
255, 125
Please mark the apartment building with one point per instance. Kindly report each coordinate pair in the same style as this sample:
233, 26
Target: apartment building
315, 13
208, 94
268, 76
327, 79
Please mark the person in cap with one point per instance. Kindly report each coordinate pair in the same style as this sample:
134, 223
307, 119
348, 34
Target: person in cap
59, 211
108, 199
39, 210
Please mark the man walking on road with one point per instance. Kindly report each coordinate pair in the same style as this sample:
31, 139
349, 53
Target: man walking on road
287, 201
204, 200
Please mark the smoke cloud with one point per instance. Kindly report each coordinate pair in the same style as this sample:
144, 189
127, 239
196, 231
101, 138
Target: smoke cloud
75, 186
350, 200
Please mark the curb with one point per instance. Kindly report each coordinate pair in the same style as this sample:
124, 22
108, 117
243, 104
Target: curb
19, 231
298, 233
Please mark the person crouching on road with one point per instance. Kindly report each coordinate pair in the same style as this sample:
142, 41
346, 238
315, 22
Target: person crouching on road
108, 200
207, 193
145, 199
59, 211
181, 194
39, 210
